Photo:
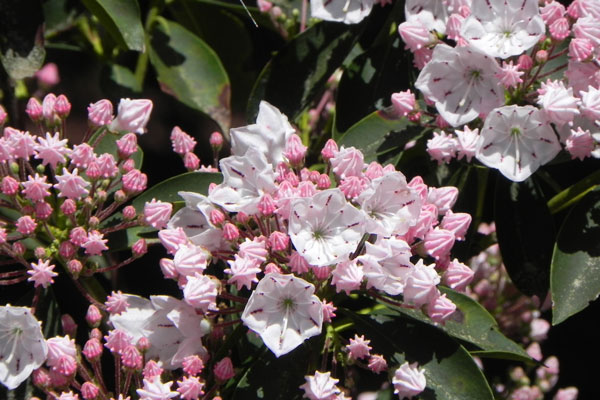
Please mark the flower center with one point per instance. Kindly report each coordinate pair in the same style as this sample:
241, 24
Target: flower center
515, 131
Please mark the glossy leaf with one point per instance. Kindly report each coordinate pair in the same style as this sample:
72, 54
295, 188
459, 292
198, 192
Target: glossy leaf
121, 19
167, 190
120, 81
22, 50
450, 371
190, 70
299, 71
380, 136
525, 232
575, 276
473, 324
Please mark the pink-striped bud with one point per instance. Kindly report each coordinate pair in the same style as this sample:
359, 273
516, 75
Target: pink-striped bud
127, 145
129, 213
438, 242
216, 141
230, 232
43, 210
92, 350
41, 378
525, 62
74, 267
266, 205
298, 264
78, 236
242, 217
48, 107
131, 357
89, 391
10, 186
66, 250
134, 181
139, 248
377, 363
458, 275
321, 273
69, 326
191, 162
143, 344
26, 225
403, 102
39, 253
329, 150
541, 56
93, 316
62, 107
324, 182
152, 370
458, 223
93, 171
100, 113
224, 369
128, 165
272, 268
34, 109
182, 142
217, 217
157, 213
192, 365
167, 266
68, 207
440, 309
295, 151
278, 241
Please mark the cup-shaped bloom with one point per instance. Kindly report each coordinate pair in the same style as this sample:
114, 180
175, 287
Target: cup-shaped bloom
284, 312
516, 140
386, 264
421, 284
320, 386
23, 346
325, 228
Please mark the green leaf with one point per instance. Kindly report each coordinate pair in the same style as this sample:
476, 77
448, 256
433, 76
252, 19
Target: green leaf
190, 70
121, 19
119, 81
299, 71
22, 50
58, 15
473, 324
573, 193
168, 190
450, 371
380, 136
575, 274
526, 234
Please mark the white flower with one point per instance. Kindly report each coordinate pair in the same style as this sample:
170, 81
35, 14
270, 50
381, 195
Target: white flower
346, 11
320, 386
462, 83
517, 141
22, 345
421, 284
154, 389
503, 28
558, 102
268, 135
408, 380
132, 116
245, 179
325, 228
390, 205
432, 14
284, 311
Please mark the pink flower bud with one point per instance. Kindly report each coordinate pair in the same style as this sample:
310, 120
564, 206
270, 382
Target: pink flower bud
559, 29
74, 267
328, 311
139, 248
541, 56
26, 225
230, 232
224, 369
278, 241
133, 115
92, 350
216, 217
421, 285
157, 213
242, 217
191, 162
182, 142
443, 198
116, 303
168, 268
117, 340
143, 344
48, 107
171, 239
272, 268
66, 365
100, 113
438, 242
377, 363
43, 210
62, 107
10, 186
134, 181
298, 264
358, 347
403, 102
266, 205
152, 370
580, 143
192, 365
39, 252
442, 147
48, 75
352, 186
93, 316
66, 250
131, 357
127, 145
295, 150
415, 34
458, 223
525, 62
128, 165
329, 150
78, 236
552, 11
408, 380
34, 109
68, 207
324, 182
216, 140
41, 378
458, 275
569, 393
89, 391
580, 49
69, 326
440, 309
321, 273
93, 222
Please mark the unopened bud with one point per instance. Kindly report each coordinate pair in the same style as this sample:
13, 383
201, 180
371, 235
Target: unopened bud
216, 140
69, 326
93, 316
129, 213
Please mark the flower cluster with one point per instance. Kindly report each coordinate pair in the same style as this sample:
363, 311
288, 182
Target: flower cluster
494, 80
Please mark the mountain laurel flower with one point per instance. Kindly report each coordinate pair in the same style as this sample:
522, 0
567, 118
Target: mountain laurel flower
320, 386
243, 271
95, 244
590, 103
403, 102
442, 197
329, 150
580, 49
134, 181
503, 29
347, 276
42, 273
516, 140
284, 312
22, 143
132, 115
421, 284
348, 162
100, 113
71, 185
467, 142
442, 147
224, 369
552, 11
154, 389
116, 303
558, 102
457, 276
295, 150
34, 109
457, 223
580, 143
36, 188
510, 75
359, 347
278, 241
464, 91
26, 225
377, 363
52, 150
438, 243
182, 142
559, 29
348, 12
415, 35
440, 309
191, 259
127, 145
325, 228
190, 388
200, 292
10, 186
408, 380
157, 213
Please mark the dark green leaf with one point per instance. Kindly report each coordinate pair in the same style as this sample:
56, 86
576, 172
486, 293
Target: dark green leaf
380, 136
295, 75
21, 37
575, 276
472, 323
450, 371
59, 15
120, 81
167, 190
121, 19
525, 232
190, 70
